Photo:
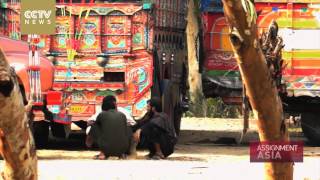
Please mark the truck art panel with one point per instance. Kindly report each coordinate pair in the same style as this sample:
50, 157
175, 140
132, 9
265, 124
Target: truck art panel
133, 50
299, 26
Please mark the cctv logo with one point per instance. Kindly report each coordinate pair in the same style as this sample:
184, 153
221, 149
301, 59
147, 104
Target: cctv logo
37, 17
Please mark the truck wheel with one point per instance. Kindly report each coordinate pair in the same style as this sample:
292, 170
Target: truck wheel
41, 133
310, 125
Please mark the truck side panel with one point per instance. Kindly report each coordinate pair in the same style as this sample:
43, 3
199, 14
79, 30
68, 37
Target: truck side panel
299, 25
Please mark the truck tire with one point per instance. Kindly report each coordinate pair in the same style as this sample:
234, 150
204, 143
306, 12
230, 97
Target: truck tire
310, 124
41, 133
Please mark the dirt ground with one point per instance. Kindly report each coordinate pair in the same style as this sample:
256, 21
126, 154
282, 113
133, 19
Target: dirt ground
207, 149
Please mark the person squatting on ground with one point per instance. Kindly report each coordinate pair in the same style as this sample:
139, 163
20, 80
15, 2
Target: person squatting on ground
110, 131
130, 120
155, 131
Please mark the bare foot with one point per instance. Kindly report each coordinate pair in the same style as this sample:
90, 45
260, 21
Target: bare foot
100, 156
157, 156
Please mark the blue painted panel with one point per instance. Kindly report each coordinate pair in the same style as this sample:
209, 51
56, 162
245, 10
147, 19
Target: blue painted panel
211, 6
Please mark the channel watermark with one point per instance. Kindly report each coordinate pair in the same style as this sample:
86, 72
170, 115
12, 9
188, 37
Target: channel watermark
280, 151
38, 16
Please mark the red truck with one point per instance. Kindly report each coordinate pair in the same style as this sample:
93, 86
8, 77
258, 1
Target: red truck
299, 25
17, 54
131, 49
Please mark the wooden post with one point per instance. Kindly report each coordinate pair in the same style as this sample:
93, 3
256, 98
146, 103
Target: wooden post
192, 31
16, 142
260, 87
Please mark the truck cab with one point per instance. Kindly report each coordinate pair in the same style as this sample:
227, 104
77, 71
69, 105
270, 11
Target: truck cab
17, 54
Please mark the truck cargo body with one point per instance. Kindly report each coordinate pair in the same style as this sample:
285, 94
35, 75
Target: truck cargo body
299, 26
130, 49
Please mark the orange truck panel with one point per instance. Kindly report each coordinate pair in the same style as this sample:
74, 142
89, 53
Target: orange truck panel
17, 56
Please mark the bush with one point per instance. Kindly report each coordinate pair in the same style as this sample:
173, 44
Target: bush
212, 108
217, 109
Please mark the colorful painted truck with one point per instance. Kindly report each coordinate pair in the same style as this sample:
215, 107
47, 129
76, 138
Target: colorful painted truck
131, 49
299, 26
17, 54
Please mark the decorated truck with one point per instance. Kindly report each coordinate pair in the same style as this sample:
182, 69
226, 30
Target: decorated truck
130, 49
17, 54
299, 27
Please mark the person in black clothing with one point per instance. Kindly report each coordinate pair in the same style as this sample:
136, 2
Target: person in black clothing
40, 139
110, 131
155, 131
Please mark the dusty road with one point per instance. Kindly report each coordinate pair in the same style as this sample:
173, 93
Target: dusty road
207, 149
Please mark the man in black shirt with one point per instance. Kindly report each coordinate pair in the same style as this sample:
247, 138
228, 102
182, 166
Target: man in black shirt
110, 131
155, 131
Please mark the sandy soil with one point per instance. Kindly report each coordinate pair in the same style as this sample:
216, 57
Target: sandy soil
207, 149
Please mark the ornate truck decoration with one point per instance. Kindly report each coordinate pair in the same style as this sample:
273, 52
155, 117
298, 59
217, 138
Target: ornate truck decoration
131, 49
298, 24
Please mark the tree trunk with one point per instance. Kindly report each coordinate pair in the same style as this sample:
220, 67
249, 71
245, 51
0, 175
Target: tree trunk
193, 45
16, 142
260, 87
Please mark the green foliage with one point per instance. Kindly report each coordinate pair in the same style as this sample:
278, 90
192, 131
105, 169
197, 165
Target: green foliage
212, 108
197, 7
197, 10
217, 109
197, 106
